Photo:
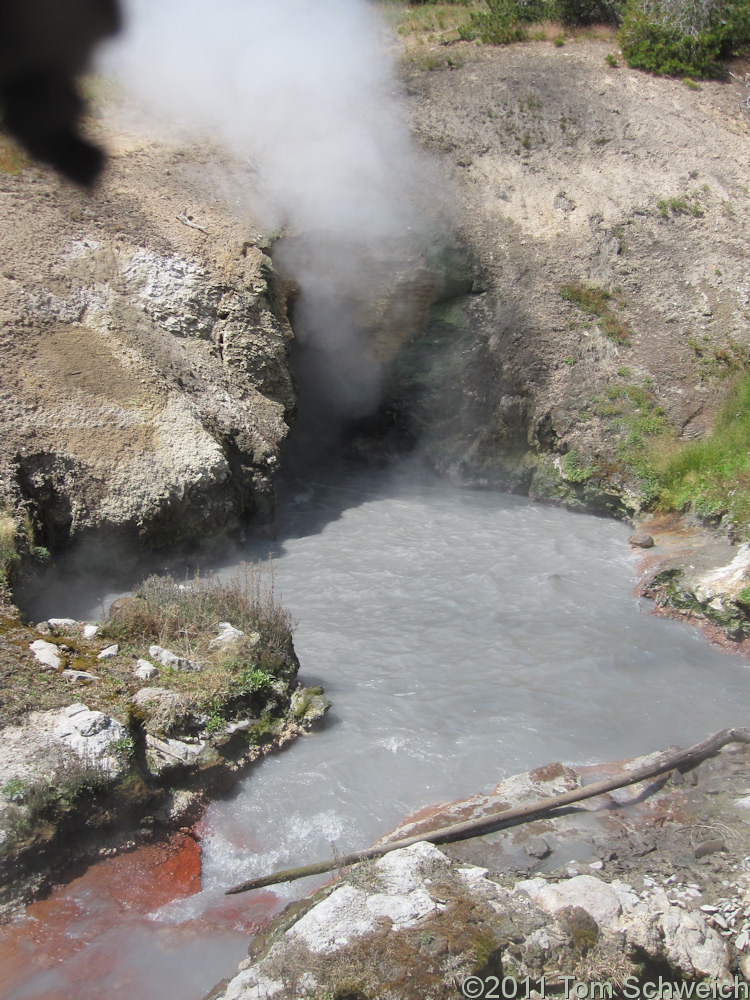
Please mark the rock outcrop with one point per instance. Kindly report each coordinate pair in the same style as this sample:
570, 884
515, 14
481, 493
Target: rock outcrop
661, 893
602, 216
145, 384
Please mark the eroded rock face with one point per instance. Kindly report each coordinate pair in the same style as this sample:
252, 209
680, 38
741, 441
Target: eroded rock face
411, 922
145, 386
565, 172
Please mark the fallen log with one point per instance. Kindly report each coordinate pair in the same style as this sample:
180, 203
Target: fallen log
682, 760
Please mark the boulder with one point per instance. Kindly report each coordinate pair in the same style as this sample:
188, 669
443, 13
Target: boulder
309, 704
79, 676
227, 636
46, 653
67, 624
145, 671
91, 735
171, 660
641, 540
164, 754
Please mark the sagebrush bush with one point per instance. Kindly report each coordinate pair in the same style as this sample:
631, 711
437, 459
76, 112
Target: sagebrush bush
684, 37
186, 613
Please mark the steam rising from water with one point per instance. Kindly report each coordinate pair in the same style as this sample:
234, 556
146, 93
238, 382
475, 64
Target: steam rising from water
306, 92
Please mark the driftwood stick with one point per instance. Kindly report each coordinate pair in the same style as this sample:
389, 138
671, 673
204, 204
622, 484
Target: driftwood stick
683, 760
187, 221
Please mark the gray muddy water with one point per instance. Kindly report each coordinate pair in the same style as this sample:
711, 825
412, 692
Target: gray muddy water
462, 636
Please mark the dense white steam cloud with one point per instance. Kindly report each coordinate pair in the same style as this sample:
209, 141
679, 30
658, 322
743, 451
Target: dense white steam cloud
305, 89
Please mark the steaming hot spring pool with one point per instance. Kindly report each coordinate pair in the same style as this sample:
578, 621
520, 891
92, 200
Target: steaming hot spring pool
462, 636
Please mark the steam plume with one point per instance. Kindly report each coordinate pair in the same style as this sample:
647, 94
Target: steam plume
305, 90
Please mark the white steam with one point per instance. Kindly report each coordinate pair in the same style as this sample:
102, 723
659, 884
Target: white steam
305, 90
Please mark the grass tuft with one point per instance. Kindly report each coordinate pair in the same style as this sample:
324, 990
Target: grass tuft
712, 476
598, 302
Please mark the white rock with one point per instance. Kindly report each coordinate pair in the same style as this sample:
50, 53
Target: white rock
79, 676
401, 871
169, 659
403, 911
240, 726
163, 752
90, 735
226, 636
109, 652
66, 623
349, 912
473, 873
89, 631
598, 898
726, 579
252, 985
145, 671
46, 653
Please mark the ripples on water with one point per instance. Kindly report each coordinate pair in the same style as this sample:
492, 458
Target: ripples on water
462, 637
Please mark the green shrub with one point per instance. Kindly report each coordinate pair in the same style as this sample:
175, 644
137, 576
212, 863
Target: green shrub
712, 476
498, 26
686, 38
573, 12
596, 302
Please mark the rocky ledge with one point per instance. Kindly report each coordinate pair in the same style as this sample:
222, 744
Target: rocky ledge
104, 743
646, 887
145, 388
696, 573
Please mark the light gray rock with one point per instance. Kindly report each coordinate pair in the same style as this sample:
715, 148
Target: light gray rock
145, 671
109, 652
46, 653
79, 676
227, 635
63, 623
89, 631
409, 887
537, 847
164, 754
170, 660
600, 899
350, 912
90, 736
680, 937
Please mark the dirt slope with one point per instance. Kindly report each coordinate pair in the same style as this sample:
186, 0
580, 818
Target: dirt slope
571, 172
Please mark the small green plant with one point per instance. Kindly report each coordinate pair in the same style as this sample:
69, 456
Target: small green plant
690, 83
215, 721
572, 469
8, 551
255, 680
611, 60
123, 748
597, 302
712, 476
679, 206
14, 790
